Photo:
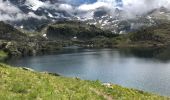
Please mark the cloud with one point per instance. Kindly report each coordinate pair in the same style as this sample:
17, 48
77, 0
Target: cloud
130, 8
90, 7
9, 12
83, 8
138, 7
31, 14
34, 4
65, 7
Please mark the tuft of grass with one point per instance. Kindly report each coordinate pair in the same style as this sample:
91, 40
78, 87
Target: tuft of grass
19, 84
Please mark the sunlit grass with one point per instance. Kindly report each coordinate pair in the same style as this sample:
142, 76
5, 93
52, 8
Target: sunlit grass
19, 84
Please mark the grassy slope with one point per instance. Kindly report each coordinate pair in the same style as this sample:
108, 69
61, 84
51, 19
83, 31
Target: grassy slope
19, 84
3, 55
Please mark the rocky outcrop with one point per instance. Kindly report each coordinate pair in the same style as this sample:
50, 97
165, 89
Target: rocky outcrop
29, 48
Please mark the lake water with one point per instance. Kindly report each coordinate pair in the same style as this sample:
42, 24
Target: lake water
144, 69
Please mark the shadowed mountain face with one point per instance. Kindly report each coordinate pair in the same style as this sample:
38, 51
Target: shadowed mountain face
8, 32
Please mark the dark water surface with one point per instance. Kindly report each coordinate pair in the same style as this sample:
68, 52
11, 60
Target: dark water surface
145, 69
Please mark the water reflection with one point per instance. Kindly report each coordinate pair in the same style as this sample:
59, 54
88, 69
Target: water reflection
160, 54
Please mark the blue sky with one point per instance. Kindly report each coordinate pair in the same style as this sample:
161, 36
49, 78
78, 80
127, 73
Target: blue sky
79, 2
86, 1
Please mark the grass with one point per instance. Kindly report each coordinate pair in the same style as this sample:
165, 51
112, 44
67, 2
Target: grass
19, 84
3, 55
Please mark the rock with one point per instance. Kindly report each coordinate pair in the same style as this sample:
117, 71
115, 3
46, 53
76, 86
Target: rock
107, 84
53, 74
28, 69
77, 78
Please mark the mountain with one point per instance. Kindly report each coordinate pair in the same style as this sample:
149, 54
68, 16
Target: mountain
119, 24
35, 13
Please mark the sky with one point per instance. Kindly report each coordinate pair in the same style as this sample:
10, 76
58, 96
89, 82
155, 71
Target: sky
79, 2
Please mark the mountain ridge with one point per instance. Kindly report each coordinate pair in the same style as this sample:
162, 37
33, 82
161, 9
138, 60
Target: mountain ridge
48, 11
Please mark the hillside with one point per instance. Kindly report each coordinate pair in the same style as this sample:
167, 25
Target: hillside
68, 30
8, 32
154, 35
20, 84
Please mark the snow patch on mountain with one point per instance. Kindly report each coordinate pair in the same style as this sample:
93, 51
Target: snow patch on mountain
34, 4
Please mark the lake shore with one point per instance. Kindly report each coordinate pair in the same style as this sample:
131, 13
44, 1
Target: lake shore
25, 83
